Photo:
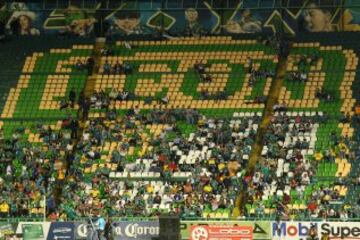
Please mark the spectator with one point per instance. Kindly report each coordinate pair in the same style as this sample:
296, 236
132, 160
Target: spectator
107, 67
79, 65
4, 209
72, 98
90, 65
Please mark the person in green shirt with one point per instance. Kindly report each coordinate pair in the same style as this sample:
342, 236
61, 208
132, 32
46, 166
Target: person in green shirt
129, 209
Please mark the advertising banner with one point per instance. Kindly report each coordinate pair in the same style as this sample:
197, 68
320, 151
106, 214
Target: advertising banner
194, 230
121, 230
6, 229
143, 230
260, 229
300, 230
61, 230
33, 230
221, 232
82, 229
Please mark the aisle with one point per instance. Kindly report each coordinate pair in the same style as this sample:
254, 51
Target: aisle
258, 145
88, 90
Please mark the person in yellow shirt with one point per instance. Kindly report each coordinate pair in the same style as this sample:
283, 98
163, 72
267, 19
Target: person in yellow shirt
4, 209
95, 193
208, 188
149, 188
319, 156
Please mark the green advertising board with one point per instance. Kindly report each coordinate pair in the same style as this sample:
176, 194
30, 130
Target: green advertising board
261, 229
5, 229
33, 232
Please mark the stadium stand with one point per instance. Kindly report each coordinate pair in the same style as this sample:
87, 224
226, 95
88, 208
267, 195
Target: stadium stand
33, 161
166, 68
295, 178
160, 162
169, 156
162, 137
48, 75
307, 166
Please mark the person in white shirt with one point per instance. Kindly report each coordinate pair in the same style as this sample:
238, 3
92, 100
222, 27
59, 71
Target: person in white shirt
303, 77
9, 170
113, 94
124, 95
127, 45
305, 178
165, 100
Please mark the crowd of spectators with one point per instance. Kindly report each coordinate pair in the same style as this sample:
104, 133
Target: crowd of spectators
88, 65
180, 161
287, 173
173, 161
194, 162
303, 63
105, 99
32, 167
324, 95
117, 68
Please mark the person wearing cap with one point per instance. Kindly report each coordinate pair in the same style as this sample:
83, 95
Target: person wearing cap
129, 23
126, 22
20, 23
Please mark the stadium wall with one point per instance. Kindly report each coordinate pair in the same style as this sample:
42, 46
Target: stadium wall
125, 18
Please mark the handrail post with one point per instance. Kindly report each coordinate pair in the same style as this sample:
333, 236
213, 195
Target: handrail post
44, 208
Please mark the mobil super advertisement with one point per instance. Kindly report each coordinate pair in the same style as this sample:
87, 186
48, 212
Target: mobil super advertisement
300, 230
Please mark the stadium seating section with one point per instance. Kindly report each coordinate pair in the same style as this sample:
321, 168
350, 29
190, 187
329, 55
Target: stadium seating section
47, 75
166, 69
150, 168
31, 164
190, 154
